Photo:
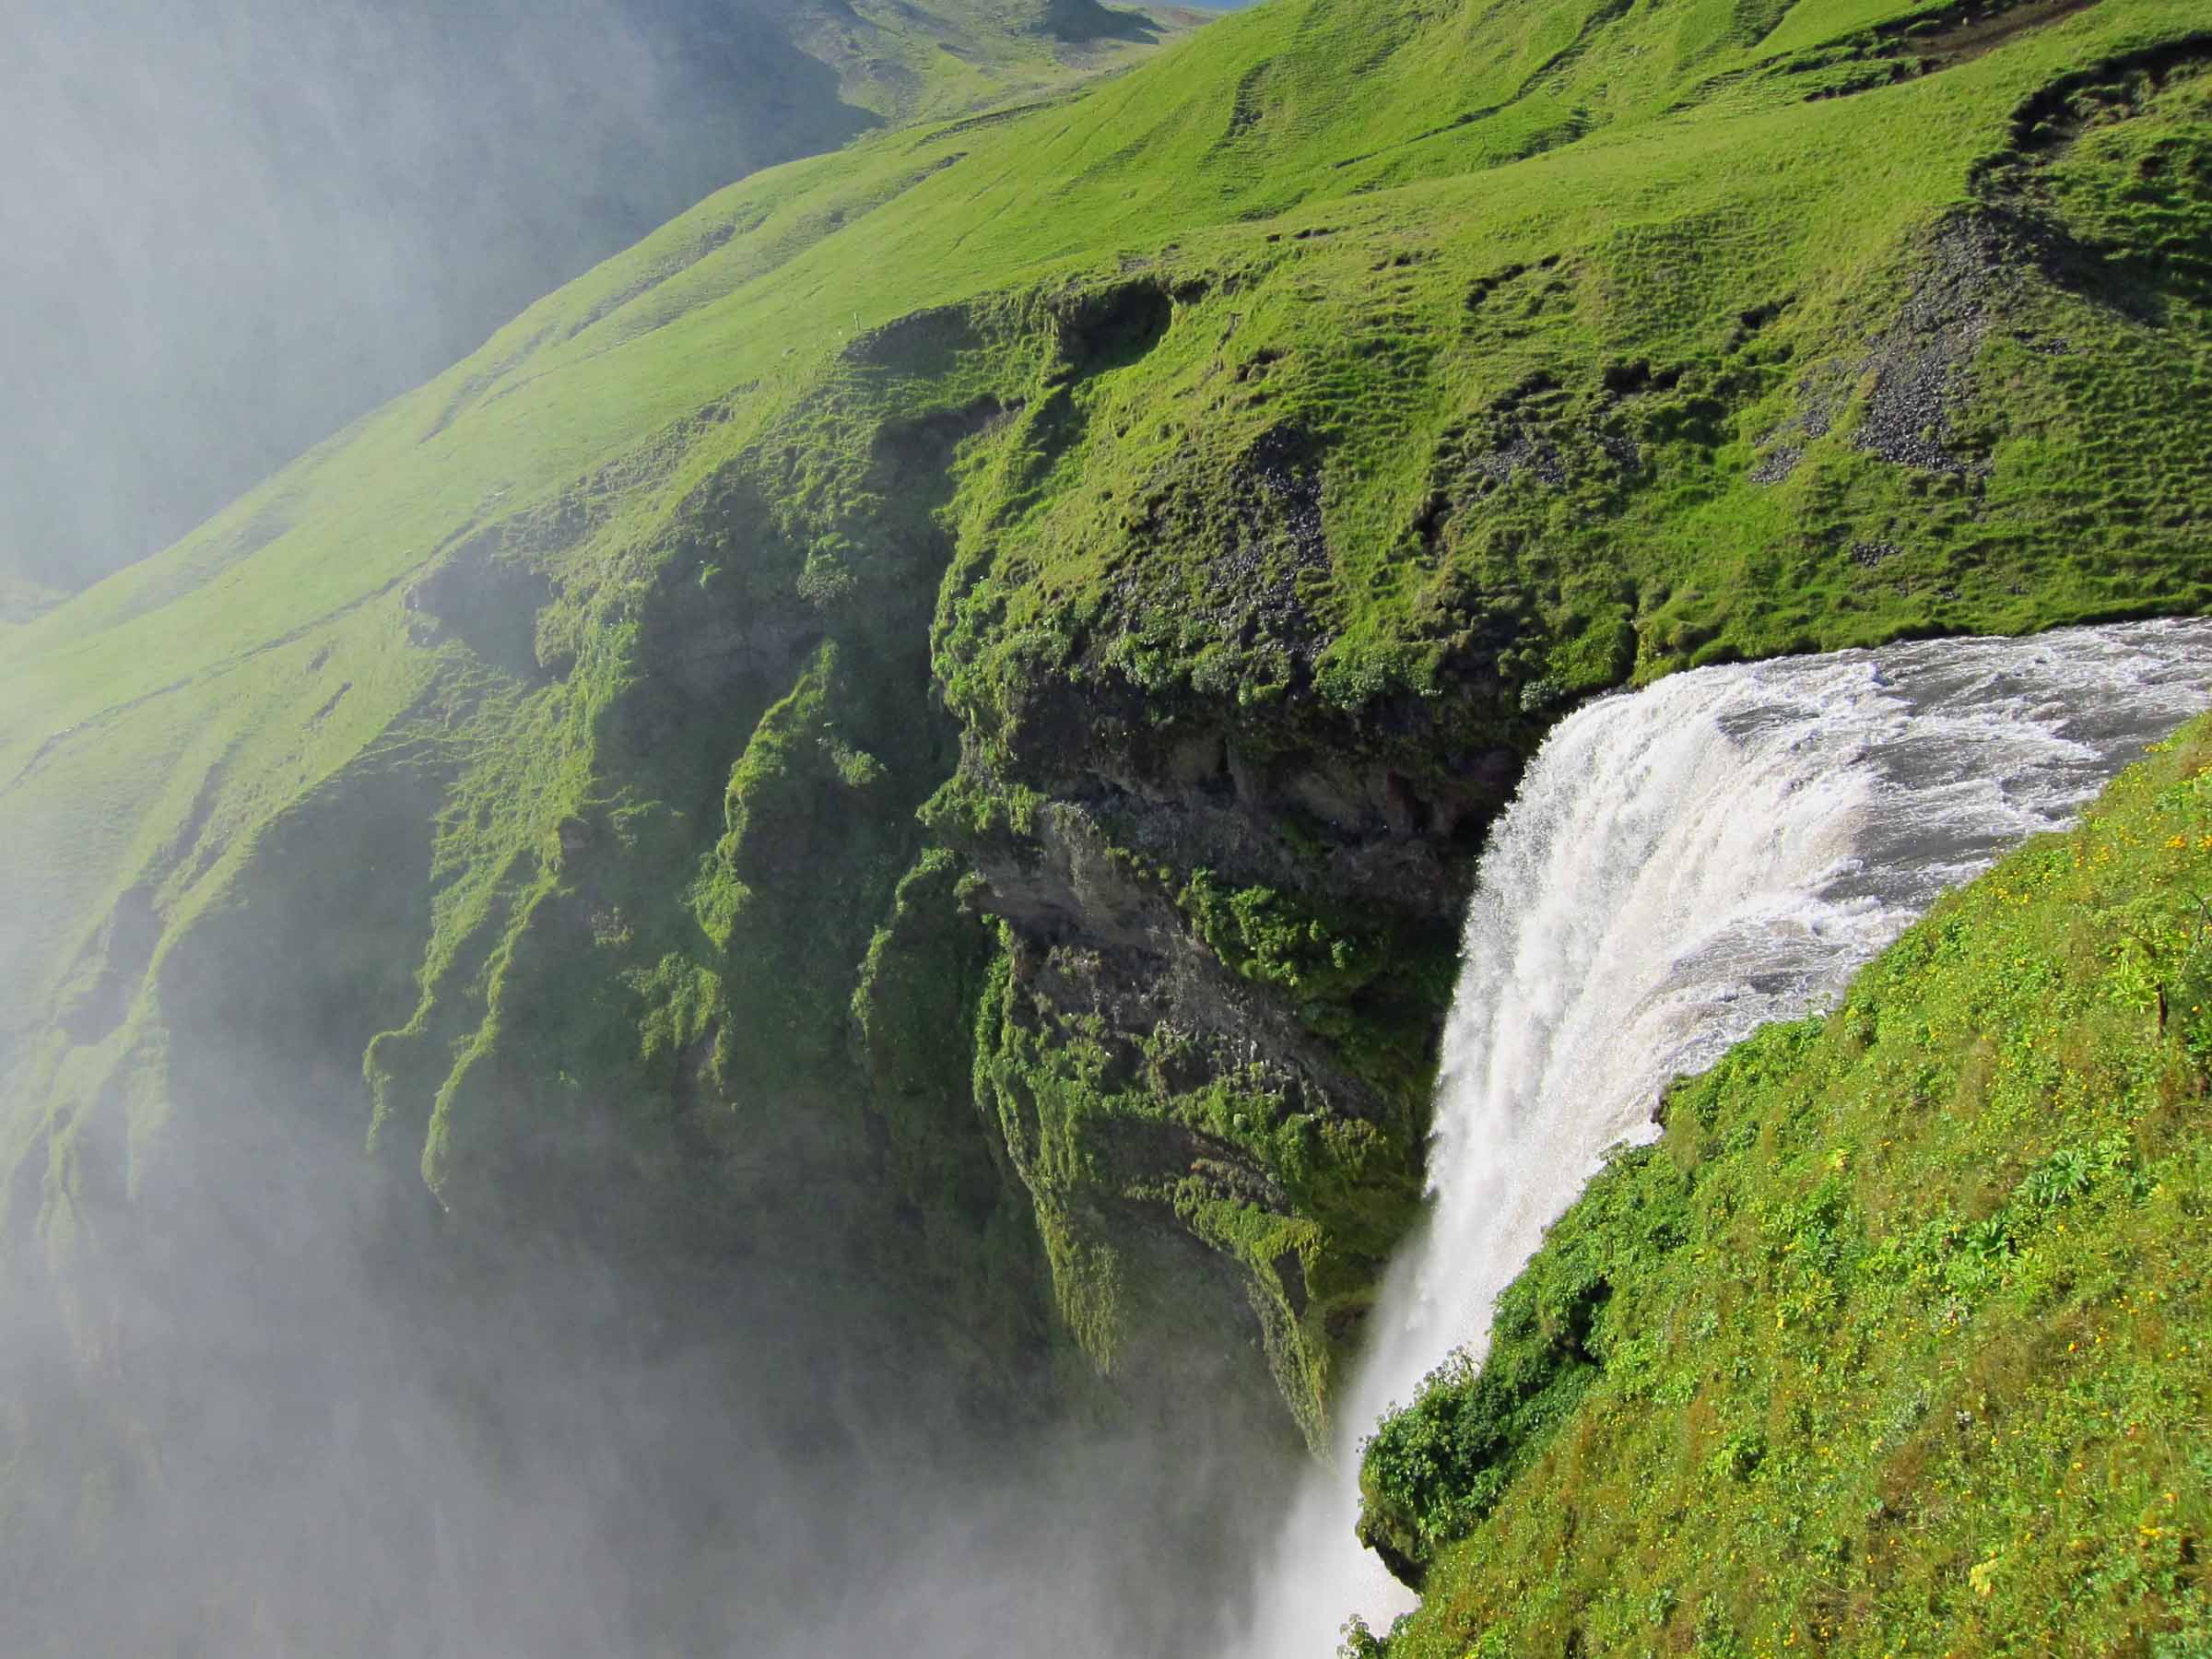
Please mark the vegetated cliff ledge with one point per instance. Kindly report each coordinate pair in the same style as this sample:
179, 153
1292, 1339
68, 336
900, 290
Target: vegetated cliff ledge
923, 733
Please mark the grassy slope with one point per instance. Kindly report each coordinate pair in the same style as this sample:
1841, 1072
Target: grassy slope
1899, 1342
478, 158
1413, 247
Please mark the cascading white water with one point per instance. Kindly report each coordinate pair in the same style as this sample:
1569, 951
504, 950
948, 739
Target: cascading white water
1682, 865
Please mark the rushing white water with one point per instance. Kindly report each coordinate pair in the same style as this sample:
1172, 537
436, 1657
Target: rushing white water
1680, 865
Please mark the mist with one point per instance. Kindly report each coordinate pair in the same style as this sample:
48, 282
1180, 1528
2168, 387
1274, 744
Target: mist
259, 1393
235, 225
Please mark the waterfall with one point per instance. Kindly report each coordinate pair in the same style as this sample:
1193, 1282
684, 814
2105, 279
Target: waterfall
1682, 865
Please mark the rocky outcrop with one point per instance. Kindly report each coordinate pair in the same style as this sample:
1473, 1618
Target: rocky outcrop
1225, 951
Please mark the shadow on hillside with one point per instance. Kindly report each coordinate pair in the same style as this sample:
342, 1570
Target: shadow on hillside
1086, 22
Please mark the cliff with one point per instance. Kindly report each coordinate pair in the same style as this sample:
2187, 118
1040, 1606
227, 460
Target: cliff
925, 729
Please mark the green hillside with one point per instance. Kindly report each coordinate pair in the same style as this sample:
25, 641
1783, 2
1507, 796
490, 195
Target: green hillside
930, 722
1897, 1342
952, 58
240, 224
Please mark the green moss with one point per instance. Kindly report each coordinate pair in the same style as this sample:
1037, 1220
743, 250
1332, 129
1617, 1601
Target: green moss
1375, 991
1137, 1154
1265, 936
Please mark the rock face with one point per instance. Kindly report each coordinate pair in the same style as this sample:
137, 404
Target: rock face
1223, 963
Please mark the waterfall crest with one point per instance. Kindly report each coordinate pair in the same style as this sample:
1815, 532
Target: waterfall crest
1682, 866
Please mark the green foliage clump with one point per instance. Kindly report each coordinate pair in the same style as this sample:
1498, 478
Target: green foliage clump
1269, 936
1434, 1469
1141, 1156
1375, 991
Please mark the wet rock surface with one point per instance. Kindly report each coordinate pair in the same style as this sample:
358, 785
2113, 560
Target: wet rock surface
1206, 1062
1918, 361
